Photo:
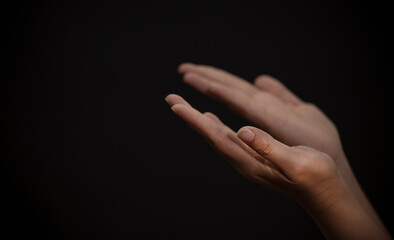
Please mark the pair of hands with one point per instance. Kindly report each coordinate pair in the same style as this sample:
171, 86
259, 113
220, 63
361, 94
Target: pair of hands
302, 158
286, 165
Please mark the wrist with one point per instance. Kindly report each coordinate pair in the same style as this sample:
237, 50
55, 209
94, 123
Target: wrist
339, 215
327, 198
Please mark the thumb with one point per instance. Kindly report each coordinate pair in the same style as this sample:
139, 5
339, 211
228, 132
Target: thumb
265, 145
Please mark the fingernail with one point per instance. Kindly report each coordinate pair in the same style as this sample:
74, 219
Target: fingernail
174, 108
166, 99
246, 135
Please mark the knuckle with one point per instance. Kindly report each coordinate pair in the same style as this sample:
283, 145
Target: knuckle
209, 115
262, 145
262, 81
313, 166
263, 78
260, 78
264, 149
301, 168
309, 105
303, 165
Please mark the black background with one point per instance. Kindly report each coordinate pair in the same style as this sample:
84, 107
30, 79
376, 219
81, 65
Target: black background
91, 149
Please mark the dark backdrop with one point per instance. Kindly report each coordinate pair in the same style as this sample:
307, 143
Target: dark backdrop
91, 149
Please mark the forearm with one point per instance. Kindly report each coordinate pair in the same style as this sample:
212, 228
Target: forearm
356, 189
341, 216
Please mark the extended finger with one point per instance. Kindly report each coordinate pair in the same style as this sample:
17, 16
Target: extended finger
263, 109
275, 87
234, 98
173, 99
219, 76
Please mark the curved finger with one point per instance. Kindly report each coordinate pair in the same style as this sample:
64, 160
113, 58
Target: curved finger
275, 87
219, 76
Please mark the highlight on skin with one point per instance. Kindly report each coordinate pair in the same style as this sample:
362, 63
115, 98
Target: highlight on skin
294, 148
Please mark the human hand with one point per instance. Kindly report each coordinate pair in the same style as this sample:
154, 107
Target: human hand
307, 175
272, 107
300, 172
269, 105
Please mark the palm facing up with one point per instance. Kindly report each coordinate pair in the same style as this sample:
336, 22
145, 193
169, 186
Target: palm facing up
270, 105
302, 159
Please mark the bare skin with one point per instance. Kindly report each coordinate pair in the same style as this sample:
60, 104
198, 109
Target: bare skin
302, 158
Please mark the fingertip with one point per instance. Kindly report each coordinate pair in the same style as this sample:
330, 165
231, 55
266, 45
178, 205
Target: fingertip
246, 135
176, 108
166, 98
198, 82
173, 99
183, 67
170, 97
